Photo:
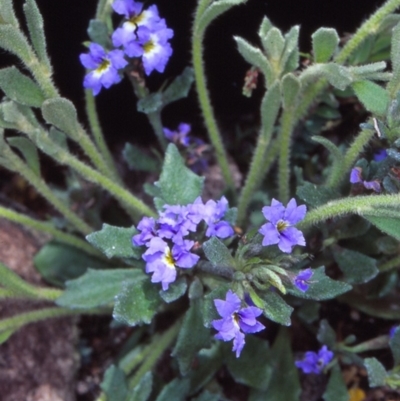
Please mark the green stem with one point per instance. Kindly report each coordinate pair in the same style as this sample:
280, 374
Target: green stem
154, 118
21, 288
390, 265
17, 165
204, 98
157, 347
288, 121
368, 28
48, 229
380, 342
131, 203
352, 154
16, 322
98, 136
360, 205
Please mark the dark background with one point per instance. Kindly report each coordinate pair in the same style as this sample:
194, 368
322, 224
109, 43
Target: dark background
66, 22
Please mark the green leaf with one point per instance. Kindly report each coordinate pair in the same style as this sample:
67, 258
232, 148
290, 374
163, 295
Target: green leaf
290, 56
265, 26
179, 87
192, 337
115, 242
284, 384
275, 308
321, 287
143, 390
213, 11
290, 87
97, 287
324, 44
326, 335
206, 396
336, 389
58, 263
139, 160
337, 75
217, 253
175, 290
373, 97
274, 44
137, 303
335, 152
394, 344
387, 225
150, 104
62, 114
20, 88
253, 367
176, 390
14, 41
5, 335
7, 14
178, 184
254, 57
357, 267
394, 83
36, 31
209, 311
376, 372
315, 195
114, 384
98, 33
28, 150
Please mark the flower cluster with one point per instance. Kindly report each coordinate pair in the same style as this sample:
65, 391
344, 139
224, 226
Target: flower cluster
301, 281
356, 178
194, 148
142, 34
166, 238
279, 230
236, 321
315, 362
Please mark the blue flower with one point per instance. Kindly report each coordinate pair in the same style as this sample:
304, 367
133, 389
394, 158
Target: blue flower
279, 230
180, 136
315, 362
236, 321
105, 67
147, 228
212, 214
380, 155
356, 178
301, 280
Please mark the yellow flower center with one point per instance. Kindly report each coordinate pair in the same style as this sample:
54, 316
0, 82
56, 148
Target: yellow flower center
149, 46
169, 259
281, 225
136, 19
103, 66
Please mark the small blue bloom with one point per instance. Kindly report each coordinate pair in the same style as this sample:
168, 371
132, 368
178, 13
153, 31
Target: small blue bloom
279, 230
315, 362
105, 67
147, 228
180, 136
236, 321
213, 213
301, 280
392, 331
380, 155
356, 178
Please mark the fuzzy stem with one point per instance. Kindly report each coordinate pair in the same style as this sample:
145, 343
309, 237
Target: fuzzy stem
376, 343
157, 347
288, 121
204, 98
360, 205
339, 172
21, 289
17, 165
390, 264
368, 28
48, 229
16, 322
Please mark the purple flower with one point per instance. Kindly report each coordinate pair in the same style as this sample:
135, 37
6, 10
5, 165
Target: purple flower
356, 178
212, 214
105, 67
161, 260
313, 362
392, 331
380, 155
236, 321
180, 136
301, 280
147, 230
279, 230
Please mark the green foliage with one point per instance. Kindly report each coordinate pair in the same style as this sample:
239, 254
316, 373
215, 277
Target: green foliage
376, 372
143, 390
209, 311
7, 14
290, 87
253, 368
178, 185
324, 44
273, 306
274, 44
357, 267
97, 287
326, 335
394, 344
217, 253
28, 150
20, 88
115, 242
374, 98
336, 389
175, 290
98, 33
388, 225
58, 263
137, 160
137, 302
13, 40
114, 384
315, 195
